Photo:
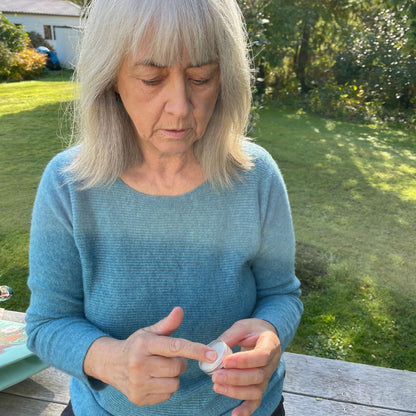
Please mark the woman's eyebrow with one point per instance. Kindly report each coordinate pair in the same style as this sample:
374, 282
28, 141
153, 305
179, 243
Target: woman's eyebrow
153, 64
148, 63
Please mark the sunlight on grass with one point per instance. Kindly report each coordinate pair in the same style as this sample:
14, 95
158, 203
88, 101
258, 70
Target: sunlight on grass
17, 97
387, 171
351, 189
360, 332
30, 135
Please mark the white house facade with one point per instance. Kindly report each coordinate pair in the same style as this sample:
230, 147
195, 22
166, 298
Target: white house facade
58, 21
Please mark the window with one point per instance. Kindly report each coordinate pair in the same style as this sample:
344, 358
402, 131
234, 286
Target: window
47, 30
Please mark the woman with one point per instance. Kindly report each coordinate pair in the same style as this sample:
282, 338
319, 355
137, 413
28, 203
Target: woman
164, 219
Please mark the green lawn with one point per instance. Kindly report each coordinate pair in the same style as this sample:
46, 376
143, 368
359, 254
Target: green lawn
30, 134
353, 195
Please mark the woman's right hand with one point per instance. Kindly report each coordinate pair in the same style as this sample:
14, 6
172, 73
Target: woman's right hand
146, 366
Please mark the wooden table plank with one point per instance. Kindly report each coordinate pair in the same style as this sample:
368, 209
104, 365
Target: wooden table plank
351, 382
49, 385
11, 405
296, 405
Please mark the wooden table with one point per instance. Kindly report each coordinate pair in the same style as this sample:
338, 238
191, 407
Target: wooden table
313, 387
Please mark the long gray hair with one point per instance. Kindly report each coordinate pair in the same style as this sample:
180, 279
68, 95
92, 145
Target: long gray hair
209, 31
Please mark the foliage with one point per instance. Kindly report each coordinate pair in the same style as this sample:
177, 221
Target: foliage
6, 56
341, 58
27, 64
374, 57
12, 37
37, 39
373, 77
354, 59
17, 62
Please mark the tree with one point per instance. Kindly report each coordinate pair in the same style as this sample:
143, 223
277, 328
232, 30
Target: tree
17, 62
12, 40
378, 57
12, 37
305, 30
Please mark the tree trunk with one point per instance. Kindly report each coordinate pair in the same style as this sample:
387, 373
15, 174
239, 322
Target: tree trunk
303, 57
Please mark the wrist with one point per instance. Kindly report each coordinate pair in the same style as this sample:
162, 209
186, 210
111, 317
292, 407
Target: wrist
98, 362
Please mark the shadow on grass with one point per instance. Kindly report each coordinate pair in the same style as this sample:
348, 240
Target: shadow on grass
349, 318
29, 139
353, 195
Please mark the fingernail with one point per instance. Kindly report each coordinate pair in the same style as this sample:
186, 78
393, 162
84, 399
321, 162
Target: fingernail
211, 355
229, 363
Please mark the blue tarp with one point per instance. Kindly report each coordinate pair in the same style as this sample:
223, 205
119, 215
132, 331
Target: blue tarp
52, 61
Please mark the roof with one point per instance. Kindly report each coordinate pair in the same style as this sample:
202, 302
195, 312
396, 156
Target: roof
50, 7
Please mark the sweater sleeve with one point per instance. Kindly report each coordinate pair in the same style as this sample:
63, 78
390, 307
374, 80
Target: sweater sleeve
278, 289
58, 331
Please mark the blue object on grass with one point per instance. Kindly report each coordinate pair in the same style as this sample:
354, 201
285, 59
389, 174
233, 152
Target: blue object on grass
52, 61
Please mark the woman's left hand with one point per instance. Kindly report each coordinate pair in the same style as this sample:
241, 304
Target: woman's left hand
246, 374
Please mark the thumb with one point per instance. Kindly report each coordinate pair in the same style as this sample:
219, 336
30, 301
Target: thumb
169, 324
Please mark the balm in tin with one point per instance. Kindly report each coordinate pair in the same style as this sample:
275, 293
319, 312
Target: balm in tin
222, 350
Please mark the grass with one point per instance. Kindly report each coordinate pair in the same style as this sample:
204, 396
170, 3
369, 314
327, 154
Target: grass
29, 135
353, 197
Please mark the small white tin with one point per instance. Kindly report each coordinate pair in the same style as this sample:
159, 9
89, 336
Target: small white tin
222, 350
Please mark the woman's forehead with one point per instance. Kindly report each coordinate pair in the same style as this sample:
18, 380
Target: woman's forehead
159, 59
174, 44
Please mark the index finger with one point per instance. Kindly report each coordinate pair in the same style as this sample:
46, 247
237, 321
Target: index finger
180, 347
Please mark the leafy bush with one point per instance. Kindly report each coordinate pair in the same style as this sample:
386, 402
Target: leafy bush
27, 64
376, 57
12, 36
37, 39
348, 101
6, 56
17, 62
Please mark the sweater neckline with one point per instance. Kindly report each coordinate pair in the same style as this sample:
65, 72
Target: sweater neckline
132, 191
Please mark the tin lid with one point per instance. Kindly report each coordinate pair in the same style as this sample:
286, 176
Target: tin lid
222, 350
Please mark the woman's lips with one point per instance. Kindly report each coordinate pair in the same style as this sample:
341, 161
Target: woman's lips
176, 134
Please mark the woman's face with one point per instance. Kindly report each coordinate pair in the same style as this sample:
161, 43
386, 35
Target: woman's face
169, 106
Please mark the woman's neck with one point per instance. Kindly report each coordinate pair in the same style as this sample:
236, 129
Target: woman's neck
165, 175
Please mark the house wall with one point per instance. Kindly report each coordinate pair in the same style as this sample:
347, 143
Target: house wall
67, 46
62, 41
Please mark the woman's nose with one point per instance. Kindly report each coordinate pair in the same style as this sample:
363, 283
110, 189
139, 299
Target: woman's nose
178, 100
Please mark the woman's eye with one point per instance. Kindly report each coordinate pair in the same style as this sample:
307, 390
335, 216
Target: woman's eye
151, 82
200, 81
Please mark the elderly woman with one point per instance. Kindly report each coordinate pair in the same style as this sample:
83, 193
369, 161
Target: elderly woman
164, 228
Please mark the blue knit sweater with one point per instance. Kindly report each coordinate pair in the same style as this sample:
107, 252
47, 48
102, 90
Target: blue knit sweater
111, 260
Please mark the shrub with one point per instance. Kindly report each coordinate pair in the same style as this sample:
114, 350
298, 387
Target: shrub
348, 101
27, 64
6, 56
13, 37
375, 57
37, 39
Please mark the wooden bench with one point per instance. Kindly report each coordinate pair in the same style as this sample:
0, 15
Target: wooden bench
313, 387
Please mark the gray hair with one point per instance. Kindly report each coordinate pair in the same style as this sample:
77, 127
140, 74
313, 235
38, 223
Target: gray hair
209, 31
